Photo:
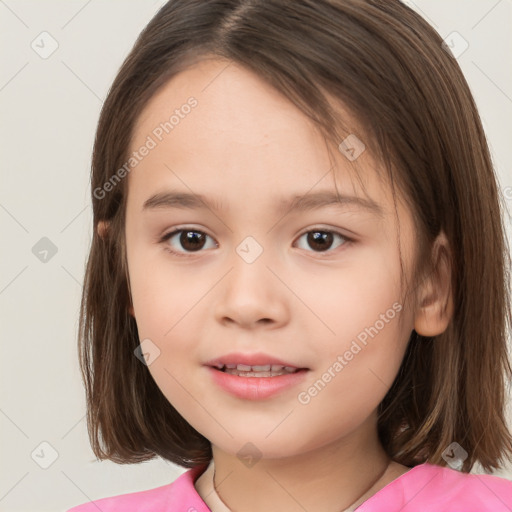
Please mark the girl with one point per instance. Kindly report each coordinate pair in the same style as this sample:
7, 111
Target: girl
297, 282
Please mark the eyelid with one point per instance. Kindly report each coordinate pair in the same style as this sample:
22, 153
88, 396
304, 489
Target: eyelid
177, 229
324, 254
327, 229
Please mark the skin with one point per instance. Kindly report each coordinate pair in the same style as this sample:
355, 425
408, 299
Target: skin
247, 146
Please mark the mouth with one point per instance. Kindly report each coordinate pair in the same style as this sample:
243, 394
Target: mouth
255, 382
268, 370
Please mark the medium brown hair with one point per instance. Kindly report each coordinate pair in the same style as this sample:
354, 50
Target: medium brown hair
388, 67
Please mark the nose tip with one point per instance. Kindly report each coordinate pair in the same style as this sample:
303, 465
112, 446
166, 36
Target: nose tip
247, 317
250, 295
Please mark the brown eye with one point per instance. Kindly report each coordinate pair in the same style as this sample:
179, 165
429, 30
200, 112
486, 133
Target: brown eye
190, 240
322, 240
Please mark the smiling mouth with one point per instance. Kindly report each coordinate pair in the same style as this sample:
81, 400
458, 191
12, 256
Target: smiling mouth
243, 370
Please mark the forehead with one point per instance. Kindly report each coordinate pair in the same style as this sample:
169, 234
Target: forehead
232, 104
240, 132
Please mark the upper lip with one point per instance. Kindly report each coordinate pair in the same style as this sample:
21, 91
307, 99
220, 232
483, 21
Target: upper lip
258, 359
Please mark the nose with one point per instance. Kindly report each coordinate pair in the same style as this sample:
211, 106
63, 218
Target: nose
251, 296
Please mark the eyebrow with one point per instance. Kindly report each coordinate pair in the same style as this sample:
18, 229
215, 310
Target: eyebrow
300, 203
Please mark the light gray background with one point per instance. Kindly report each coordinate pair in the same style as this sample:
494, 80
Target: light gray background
49, 110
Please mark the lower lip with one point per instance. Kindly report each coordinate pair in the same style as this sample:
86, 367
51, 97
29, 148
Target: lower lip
256, 388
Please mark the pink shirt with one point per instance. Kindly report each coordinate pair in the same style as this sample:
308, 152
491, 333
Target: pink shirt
424, 488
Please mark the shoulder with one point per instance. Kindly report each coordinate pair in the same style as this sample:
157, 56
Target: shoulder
429, 487
179, 495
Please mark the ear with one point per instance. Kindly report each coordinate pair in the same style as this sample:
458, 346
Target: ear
102, 228
435, 296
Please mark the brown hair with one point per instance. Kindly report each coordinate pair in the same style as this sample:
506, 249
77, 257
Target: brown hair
388, 68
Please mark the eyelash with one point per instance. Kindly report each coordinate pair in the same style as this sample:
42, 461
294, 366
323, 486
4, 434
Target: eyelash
169, 235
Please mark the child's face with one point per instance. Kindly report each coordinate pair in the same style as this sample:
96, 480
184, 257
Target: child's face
246, 148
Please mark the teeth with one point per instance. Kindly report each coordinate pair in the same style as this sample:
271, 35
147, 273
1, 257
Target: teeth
255, 374
256, 369
265, 368
243, 370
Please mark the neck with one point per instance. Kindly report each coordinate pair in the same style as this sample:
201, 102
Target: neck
329, 478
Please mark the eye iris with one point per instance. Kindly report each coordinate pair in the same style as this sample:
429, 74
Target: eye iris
194, 238
322, 239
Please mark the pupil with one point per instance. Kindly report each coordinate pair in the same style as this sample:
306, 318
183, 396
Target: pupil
322, 239
195, 239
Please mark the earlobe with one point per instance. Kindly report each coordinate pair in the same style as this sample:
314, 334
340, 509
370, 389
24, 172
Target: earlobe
435, 296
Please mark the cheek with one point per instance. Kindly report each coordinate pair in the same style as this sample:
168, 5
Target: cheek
165, 304
351, 299
169, 312
162, 294
362, 309
354, 378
